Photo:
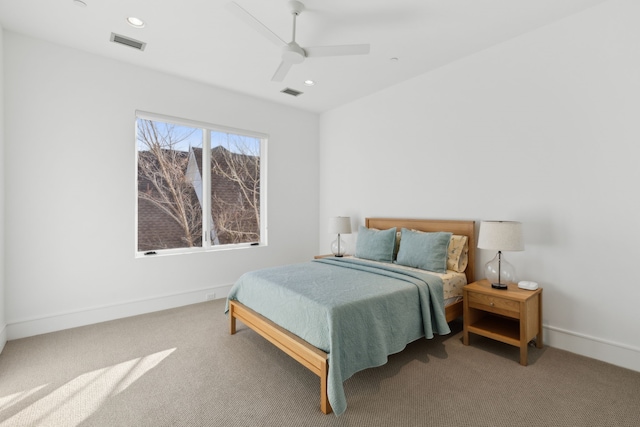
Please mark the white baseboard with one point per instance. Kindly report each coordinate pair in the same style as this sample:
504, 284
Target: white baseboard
56, 322
3, 337
596, 348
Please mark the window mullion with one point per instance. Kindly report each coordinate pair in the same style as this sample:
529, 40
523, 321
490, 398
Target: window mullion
207, 224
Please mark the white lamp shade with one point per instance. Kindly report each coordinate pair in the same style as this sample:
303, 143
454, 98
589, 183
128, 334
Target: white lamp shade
501, 236
340, 225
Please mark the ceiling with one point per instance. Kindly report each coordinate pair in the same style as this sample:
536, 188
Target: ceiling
202, 40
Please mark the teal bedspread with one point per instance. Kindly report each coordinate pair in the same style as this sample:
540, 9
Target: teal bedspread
357, 312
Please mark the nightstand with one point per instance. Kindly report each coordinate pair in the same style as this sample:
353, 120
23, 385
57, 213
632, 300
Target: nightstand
322, 256
512, 316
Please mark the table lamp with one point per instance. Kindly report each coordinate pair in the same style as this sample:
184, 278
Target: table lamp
500, 236
339, 225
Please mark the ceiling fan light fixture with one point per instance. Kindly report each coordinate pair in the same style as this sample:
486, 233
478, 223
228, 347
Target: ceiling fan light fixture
293, 53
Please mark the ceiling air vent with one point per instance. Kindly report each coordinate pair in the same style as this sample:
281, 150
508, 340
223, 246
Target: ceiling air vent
291, 92
117, 38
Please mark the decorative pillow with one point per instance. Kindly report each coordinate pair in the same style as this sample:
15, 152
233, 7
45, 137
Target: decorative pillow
427, 251
376, 245
458, 253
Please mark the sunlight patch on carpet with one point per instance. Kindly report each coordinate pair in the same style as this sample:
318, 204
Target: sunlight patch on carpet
76, 400
7, 402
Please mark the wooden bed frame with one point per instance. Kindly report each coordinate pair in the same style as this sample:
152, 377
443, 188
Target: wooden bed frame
315, 359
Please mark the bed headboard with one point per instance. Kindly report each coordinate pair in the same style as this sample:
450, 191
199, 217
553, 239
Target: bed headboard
463, 228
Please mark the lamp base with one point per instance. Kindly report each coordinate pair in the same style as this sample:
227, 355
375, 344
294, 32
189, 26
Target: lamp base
499, 286
338, 247
338, 256
498, 270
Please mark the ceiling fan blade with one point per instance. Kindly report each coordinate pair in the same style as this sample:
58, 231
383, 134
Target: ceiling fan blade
253, 22
347, 49
281, 72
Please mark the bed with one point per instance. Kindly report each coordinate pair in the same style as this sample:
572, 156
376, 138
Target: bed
338, 316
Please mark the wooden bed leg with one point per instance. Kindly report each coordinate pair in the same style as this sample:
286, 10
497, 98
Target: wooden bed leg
232, 320
325, 406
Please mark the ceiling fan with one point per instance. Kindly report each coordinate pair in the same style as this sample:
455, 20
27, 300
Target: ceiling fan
292, 53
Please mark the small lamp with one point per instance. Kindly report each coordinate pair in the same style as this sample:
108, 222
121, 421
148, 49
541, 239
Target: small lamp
500, 236
339, 225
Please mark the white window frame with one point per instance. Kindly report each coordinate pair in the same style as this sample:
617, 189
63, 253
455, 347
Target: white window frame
206, 183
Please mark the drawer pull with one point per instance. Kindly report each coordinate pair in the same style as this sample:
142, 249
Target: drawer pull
492, 304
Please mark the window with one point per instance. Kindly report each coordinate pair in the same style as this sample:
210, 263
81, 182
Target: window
198, 186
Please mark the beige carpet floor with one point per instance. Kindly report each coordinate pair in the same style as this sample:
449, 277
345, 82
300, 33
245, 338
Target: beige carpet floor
180, 367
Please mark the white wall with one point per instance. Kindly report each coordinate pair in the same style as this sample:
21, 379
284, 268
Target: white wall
542, 129
3, 324
70, 188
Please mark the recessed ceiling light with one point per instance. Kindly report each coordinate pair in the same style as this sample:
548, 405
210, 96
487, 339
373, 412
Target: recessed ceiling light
309, 83
394, 59
135, 22
79, 3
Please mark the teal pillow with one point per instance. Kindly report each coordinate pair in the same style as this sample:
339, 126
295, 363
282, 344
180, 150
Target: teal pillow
376, 245
427, 251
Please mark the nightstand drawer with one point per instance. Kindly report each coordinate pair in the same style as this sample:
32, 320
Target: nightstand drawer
492, 304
